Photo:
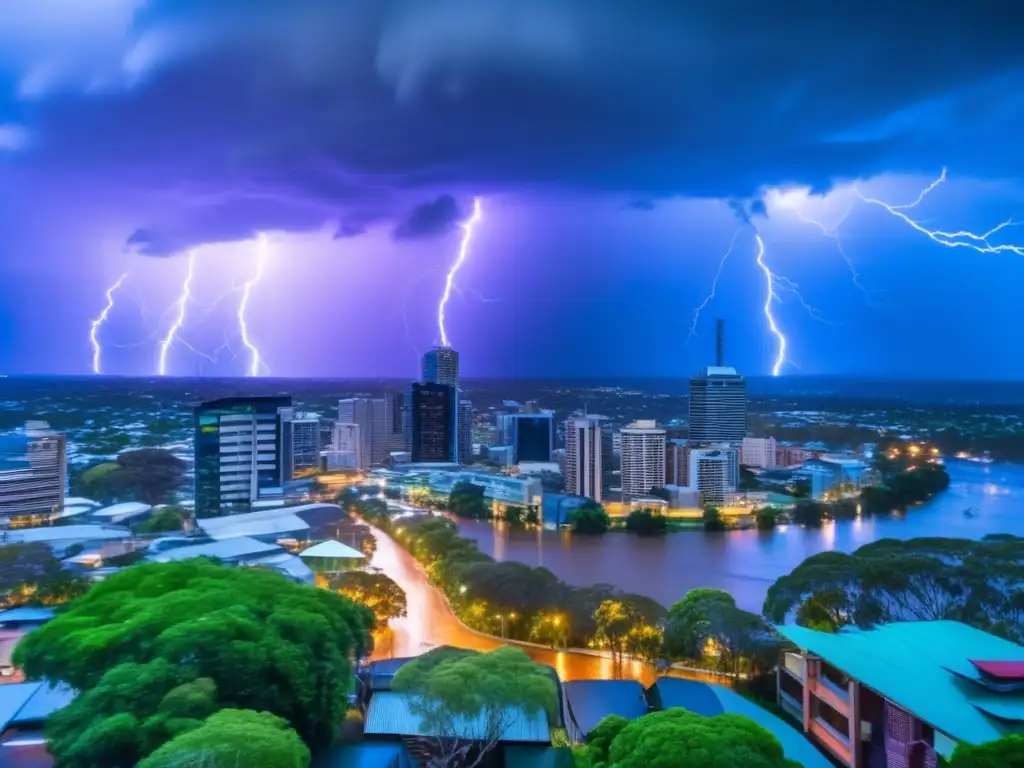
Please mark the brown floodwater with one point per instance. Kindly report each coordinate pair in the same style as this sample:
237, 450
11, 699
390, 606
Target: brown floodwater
746, 563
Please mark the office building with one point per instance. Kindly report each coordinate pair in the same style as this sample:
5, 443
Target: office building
441, 366
431, 415
714, 473
677, 462
643, 458
348, 441
33, 474
300, 442
465, 429
238, 457
388, 427
530, 434
758, 452
360, 410
718, 407
584, 466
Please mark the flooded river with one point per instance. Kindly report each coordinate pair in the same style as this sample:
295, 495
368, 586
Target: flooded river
746, 563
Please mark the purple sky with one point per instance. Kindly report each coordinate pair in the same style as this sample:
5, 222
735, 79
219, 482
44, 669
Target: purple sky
618, 147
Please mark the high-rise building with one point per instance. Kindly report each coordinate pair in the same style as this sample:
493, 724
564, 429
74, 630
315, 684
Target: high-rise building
441, 366
347, 447
718, 407
301, 444
530, 434
238, 456
714, 472
33, 472
584, 468
465, 418
388, 436
758, 452
360, 410
677, 463
432, 423
643, 458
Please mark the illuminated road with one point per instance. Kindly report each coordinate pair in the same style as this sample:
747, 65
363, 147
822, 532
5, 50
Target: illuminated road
430, 623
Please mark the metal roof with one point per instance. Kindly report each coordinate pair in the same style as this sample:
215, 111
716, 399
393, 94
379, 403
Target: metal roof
593, 700
122, 510
26, 614
66, 533
227, 550
391, 714
925, 668
31, 702
277, 526
333, 548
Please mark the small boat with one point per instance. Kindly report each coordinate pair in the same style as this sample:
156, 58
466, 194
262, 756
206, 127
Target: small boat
970, 512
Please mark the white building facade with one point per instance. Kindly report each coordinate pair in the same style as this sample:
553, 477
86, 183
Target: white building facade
584, 471
758, 452
643, 458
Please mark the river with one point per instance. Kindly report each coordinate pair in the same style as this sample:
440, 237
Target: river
746, 563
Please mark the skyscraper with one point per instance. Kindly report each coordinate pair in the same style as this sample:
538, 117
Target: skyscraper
33, 472
677, 463
300, 435
718, 407
441, 366
584, 473
530, 434
465, 419
643, 458
432, 419
387, 427
714, 472
360, 410
238, 457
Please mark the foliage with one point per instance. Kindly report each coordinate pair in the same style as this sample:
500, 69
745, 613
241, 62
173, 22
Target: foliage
374, 590
766, 518
29, 573
615, 621
809, 513
713, 519
148, 475
645, 642
823, 611
601, 736
905, 488
488, 687
590, 518
800, 488
233, 738
677, 738
1007, 752
166, 519
748, 479
706, 627
467, 500
129, 645
980, 583
646, 522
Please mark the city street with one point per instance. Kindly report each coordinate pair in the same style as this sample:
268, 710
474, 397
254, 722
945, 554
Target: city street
431, 623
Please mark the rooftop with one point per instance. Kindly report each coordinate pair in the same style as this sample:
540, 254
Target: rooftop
26, 614
66, 533
590, 701
392, 714
121, 511
31, 702
227, 549
925, 667
333, 549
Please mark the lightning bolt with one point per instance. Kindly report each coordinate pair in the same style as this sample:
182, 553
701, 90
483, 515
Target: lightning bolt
243, 305
99, 321
833, 234
181, 305
770, 297
714, 286
961, 239
468, 227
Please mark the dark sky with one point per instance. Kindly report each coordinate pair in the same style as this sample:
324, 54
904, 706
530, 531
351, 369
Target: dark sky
618, 148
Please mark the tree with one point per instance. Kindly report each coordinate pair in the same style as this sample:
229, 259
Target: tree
614, 620
646, 522
374, 590
29, 573
678, 738
713, 519
1007, 752
645, 642
467, 500
601, 736
148, 475
809, 513
166, 519
489, 689
262, 641
800, 488
824, 612
748, 480
766, 517
590, 518
233, 738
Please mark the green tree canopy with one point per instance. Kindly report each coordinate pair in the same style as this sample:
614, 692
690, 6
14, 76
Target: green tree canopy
488, 688
1007, 752
713, 519
601, 736
234, 738
467, 500
646, 522
980, 583
165, 519
374, 590
677, 738
148, 475
263, 643
29, 573
590, 518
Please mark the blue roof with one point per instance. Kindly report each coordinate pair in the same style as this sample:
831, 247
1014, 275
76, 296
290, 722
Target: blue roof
591, 701
392, 714
31, 702
701, 699
367, 754
26, 614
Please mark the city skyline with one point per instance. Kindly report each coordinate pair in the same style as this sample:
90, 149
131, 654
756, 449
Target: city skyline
289, 200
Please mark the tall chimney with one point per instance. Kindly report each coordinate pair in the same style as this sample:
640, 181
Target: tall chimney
720, 343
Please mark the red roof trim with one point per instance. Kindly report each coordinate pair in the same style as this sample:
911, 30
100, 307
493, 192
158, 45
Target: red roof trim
1003, 670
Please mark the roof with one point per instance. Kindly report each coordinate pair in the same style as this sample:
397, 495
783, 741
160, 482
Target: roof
593, 700
212, 525
66, 533
228, 549
80, 501
708, 699
519, 756
289, 565
333, 548
26, 614
123, 510
31, 702
925, 668
720, 370
275, 526
392, 714
366, 754
1003, 670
